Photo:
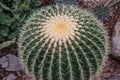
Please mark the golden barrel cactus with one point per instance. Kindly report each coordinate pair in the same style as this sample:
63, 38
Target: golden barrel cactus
62, 42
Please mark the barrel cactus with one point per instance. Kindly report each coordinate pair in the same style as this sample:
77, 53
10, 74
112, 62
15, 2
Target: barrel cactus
62, 42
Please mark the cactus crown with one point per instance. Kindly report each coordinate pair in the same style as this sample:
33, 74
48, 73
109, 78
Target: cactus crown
62, 42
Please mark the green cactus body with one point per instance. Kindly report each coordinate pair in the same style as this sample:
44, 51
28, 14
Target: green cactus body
62, 42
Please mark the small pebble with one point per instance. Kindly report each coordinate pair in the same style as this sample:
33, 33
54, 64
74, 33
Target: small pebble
14, 63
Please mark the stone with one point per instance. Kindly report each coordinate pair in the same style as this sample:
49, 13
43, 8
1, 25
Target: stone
5, 64
116, 41
14, 63
11, 77
2, 60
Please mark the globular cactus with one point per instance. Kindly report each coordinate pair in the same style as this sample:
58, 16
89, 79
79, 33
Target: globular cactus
62, 42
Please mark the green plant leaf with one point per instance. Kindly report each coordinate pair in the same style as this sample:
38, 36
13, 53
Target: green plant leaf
4, 7
4, 32
4, 19
1, 37
12, 35
6, 44
13, 14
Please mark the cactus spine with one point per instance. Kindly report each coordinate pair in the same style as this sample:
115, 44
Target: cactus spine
62, 42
